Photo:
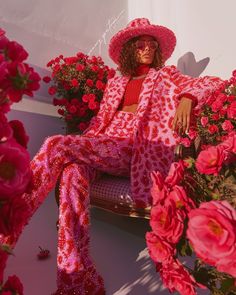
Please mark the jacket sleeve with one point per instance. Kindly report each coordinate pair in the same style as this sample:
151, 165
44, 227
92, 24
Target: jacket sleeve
198, 89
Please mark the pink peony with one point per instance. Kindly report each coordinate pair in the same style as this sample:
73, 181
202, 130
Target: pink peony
212, 233
210, 160
15, 173
176, 278
19, 132
159, 249
167, 222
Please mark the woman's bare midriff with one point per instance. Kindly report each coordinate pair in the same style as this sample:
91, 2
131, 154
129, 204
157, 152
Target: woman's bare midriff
132, 108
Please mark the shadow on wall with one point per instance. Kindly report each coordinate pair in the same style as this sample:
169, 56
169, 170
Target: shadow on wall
188, 65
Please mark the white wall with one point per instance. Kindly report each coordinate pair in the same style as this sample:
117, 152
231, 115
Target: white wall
204, 27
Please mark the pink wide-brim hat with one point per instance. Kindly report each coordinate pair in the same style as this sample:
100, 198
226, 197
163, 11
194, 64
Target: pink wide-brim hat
138, 27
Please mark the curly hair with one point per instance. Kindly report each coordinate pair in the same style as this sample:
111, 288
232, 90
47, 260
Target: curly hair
127, 60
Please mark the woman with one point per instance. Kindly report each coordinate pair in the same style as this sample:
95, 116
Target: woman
131, 135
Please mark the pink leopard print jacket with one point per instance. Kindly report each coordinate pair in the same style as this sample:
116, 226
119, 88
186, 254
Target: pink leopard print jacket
154, 141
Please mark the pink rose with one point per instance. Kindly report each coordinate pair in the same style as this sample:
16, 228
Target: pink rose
167, 222
212, 233
231, 111
159, 249
204, 121
227, 125
176, 278
210, 161
158, 190
229, 144
175, 174
15, 173
180, 199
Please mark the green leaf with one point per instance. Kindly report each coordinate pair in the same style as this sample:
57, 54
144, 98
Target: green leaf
227, 285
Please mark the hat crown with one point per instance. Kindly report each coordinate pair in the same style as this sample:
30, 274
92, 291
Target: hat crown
139, 22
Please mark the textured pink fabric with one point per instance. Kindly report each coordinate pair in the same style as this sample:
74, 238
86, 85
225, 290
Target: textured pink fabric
154, 141
77, 159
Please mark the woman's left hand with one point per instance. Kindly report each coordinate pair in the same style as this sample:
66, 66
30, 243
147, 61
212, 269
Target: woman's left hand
182, 116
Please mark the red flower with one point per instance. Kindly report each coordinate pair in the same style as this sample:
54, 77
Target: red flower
72, 109
5, 131
89, 82
47, 79
15, 52
99, 85
210, 160
14, 285
19, 132
15, 173
52, 90
93, 105
213, 129
227, 125
74, 82
43, 254
2, 32
80, 67
231, 111
82, 126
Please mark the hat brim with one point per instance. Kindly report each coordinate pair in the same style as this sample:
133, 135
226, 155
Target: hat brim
164, 36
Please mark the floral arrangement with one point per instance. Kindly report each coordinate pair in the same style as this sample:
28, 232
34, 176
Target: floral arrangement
194, 207
78, 83
16, 79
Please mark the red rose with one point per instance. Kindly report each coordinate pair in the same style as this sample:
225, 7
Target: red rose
14, 285
19, 132
89, 82
227, 125
80, 68
213, 129
99, 85
47, 79
52, 90
74, 82
72, 109
61, 112
231, 111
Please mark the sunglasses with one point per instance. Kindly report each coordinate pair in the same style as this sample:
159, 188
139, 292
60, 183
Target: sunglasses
142, 44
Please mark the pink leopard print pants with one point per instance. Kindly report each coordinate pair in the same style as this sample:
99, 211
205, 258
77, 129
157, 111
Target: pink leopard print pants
76, 159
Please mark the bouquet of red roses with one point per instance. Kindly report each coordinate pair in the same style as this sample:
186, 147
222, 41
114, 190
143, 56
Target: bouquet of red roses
16, 79
78, 83
194, 207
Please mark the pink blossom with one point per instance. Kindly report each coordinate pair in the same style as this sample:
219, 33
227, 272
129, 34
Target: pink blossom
229, 144
159, 249
192, 134
167, 222
204, 121
176, 278
158, 191
185, 142
15, 173
227, 125
218, 103
210, 160
212, 233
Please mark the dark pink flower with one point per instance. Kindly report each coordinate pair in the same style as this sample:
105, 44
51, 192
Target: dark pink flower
72, 109
176, 278
52, 90
175, 174
231, 111
227, 125
212, 233
204, 121
5, 131
167, 222
15, 173
180, 198
19, 132
15, 52
14, 285
159, 249
213, 129
47, 79
210, 160
229, 144
89, 82
74, 82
